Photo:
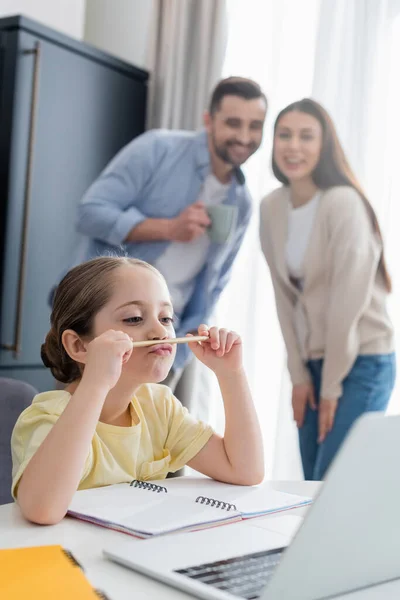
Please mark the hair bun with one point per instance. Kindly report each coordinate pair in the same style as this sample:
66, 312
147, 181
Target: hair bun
55, 358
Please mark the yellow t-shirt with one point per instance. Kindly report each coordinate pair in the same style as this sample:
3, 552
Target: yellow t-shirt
166, 438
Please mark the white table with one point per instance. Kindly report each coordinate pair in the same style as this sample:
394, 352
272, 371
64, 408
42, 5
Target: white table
86, 541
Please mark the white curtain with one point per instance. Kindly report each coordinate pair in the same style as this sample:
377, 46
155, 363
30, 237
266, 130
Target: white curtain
273, 43
187, 52
356, 78
190, 40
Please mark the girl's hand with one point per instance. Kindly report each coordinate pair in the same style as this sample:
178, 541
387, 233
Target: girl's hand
222, 352
105, 356
302, 394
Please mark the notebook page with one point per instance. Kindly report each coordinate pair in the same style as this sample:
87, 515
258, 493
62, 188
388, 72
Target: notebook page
144, 511
176, 513
262, 501
250, 501
114, 502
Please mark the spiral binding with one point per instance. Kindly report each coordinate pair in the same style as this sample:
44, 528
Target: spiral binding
72, 559
101, 595
215, 503
145, 485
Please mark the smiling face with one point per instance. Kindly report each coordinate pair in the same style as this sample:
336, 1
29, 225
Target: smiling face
297, 145
140, 305
235, 129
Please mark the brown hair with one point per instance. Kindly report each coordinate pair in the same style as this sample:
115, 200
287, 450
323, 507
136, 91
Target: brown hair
81, 294
235, 86
333, 167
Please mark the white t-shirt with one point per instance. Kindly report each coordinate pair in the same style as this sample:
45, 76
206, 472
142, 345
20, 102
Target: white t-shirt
183, 261
300, 224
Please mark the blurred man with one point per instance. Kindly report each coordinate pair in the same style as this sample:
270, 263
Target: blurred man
153, 201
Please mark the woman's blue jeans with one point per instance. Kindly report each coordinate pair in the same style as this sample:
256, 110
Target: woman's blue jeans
366, 388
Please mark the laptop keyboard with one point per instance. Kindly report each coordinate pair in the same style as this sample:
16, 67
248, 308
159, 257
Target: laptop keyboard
244, 576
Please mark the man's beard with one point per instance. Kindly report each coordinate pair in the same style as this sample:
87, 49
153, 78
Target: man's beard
222, 151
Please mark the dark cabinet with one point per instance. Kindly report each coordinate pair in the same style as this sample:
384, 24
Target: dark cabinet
65, 111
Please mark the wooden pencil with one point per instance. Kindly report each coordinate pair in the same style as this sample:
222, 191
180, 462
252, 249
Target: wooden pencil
181, 340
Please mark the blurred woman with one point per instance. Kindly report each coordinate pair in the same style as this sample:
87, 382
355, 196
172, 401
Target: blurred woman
322, 242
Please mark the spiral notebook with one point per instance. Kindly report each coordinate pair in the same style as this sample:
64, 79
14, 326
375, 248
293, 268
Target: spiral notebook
43, 573
146, 509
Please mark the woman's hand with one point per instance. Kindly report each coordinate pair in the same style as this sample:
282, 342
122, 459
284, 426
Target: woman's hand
326, 417
222, 352
302, 394
105, 356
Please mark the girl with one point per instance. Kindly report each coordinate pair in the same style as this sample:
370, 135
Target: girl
113, 423
322, 242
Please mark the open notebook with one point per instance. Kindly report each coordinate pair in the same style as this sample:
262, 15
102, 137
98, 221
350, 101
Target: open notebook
43, 573
146, 509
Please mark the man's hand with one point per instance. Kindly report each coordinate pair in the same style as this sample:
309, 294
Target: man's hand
190, 224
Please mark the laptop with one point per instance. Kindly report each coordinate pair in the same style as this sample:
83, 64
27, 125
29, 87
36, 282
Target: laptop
349, 539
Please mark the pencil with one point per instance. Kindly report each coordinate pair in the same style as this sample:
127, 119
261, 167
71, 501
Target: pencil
181, 340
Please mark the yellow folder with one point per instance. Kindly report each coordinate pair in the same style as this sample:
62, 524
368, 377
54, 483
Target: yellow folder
43, 573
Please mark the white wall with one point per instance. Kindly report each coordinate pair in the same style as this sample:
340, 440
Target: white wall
125, 28
67, 16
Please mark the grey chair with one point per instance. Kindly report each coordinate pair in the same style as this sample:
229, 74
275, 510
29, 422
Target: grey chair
15, 396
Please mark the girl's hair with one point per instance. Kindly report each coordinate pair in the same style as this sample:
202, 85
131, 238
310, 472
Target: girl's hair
81, 294
332, 168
